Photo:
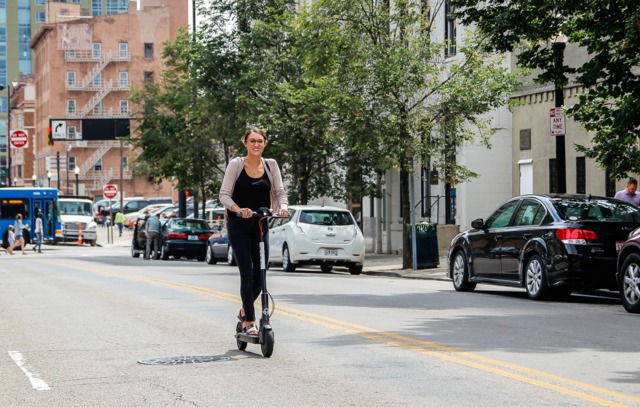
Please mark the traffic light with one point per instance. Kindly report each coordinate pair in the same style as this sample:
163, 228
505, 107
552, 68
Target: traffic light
50, 136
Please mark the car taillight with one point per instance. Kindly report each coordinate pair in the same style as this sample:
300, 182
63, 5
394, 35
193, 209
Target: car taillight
575, 236
174, 235
204, 237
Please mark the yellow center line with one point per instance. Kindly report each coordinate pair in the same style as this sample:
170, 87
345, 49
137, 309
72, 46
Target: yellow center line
453, 355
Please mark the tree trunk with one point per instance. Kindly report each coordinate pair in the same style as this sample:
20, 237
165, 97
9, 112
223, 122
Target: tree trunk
407, 262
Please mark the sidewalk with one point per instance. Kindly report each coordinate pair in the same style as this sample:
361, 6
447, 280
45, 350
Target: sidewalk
390, 265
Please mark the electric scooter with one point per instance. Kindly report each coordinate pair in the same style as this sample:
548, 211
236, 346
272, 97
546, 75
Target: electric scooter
265, 336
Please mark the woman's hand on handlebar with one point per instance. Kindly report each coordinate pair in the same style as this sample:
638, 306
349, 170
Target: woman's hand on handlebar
283, 212
245, 213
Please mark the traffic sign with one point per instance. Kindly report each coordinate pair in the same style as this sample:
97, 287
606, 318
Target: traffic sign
110, 191
58, 129
556, 121
19, 138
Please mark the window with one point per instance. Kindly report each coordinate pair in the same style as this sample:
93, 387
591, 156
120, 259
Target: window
148, 77
71, 132
124, 107
3, 109
41, 16
70, 54
581, 176
3, 71
3, 41
97, 50
123, 50
530, 213
97, 109
40, 2
96, 8
124, 79
71, 78
502, 216
117, 6
98, 165
449, 30
97, 80
71, 106
71, 163
125, 163
148, 50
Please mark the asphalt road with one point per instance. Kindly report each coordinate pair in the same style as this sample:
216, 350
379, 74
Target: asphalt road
85, 326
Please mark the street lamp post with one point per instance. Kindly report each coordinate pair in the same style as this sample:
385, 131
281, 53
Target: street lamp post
8, 87
77, 172
49, 179
559, 44
34, 178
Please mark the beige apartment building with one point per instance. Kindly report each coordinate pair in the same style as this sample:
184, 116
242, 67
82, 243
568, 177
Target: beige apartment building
85, 68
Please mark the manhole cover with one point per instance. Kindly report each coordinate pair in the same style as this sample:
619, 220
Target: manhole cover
183, 360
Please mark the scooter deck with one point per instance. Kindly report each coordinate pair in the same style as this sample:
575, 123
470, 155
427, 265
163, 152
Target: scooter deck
248, 338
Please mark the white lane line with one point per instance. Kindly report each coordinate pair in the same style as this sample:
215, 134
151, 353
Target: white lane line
33, 377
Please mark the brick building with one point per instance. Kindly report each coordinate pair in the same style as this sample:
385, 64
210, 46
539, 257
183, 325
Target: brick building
85, 68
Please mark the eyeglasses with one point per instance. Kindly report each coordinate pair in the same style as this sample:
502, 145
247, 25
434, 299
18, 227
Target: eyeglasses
256, 141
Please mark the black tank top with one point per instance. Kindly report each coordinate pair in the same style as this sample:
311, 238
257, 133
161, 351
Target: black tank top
252, 193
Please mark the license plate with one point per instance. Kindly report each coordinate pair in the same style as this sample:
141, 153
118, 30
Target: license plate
193, 237
330, 252
619, 246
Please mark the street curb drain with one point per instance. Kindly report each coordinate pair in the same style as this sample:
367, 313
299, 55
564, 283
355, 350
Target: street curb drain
183, 360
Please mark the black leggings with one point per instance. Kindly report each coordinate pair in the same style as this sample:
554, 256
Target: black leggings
244, 236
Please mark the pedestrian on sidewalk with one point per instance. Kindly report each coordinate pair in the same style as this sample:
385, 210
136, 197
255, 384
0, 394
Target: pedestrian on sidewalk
20, 236
119, 221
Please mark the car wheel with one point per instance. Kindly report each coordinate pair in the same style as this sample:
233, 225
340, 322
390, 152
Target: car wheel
93, 243
629, 281
134, 252
201, 257
326, 268
355, 269
210, 258
460, 273
231, 260
535, 278
164, 253
286, 260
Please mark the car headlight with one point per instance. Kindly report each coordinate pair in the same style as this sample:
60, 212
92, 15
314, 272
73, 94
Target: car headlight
92, 226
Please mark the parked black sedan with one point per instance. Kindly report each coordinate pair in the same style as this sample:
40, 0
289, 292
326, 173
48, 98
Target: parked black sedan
629, 273
184, 238
548, 244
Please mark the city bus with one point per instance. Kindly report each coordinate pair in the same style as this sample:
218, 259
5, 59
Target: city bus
29, 202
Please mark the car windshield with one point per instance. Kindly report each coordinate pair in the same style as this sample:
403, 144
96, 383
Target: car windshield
191, 224
596, 209
76, 208
326, 218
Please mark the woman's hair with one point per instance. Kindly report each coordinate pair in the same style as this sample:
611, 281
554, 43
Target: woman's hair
10, 227
258, 130
18, 216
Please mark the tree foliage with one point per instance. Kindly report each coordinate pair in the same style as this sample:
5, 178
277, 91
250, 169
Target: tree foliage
401, 100
609, 31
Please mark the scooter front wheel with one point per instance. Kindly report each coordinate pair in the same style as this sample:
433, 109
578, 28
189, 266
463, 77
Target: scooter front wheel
268, 341
241, 345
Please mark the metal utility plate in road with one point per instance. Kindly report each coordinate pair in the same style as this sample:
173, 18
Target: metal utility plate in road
183, 360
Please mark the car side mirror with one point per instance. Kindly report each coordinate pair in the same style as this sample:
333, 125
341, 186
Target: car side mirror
478, 224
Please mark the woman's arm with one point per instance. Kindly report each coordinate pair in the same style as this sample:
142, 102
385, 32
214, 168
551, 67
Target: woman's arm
228, 183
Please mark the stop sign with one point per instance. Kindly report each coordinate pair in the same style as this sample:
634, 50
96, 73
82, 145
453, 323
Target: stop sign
110, 191
19, 138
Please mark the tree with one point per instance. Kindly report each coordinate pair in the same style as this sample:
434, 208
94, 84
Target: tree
175, 130
611, 105
400, 99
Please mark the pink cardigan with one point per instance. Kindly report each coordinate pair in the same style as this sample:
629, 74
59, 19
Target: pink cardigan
234, 169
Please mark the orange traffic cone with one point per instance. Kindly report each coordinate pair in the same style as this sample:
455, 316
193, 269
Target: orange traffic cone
79, 234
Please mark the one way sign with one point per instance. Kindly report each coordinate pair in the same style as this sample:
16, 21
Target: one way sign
58, 129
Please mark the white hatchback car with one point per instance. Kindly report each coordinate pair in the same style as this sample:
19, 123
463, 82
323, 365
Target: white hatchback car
316, 235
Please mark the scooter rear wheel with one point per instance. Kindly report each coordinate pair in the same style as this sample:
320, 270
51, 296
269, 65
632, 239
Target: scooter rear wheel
268, 341
241, 345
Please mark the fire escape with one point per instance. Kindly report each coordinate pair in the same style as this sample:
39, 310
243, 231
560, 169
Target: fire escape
93, 82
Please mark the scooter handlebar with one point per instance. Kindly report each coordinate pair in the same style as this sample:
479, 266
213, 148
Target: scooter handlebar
262, 212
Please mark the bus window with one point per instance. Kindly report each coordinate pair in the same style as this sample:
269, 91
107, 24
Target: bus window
9, 208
